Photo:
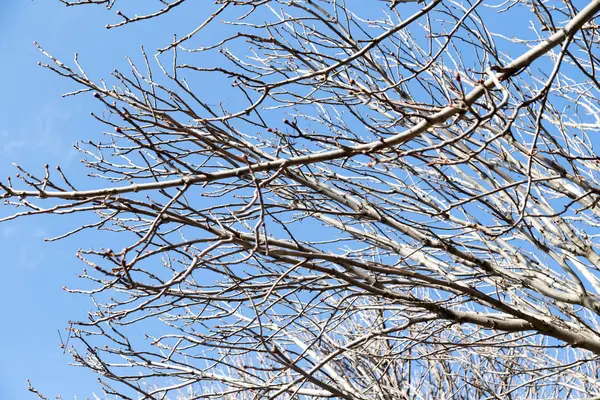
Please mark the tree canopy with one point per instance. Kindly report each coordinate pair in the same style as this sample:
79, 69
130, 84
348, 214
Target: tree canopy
387, 200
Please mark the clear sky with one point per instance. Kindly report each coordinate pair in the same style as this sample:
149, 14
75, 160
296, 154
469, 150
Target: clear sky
37, 126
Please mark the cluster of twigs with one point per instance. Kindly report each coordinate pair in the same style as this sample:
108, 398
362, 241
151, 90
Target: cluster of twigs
391, 207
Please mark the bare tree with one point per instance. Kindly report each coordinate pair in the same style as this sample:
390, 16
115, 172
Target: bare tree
401, 202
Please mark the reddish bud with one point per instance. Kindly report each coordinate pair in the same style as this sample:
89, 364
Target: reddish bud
96, 95
457, 76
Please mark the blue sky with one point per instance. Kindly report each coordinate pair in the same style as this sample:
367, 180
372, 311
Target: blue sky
37, 126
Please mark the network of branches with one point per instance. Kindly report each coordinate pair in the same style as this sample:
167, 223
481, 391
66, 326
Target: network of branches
381, 200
